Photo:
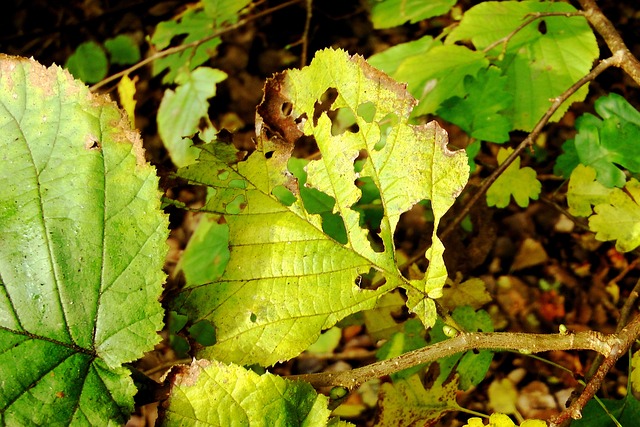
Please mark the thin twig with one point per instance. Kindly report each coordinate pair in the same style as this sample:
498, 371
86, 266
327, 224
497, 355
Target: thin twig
532, 17
305, 35
557, 102
194, 44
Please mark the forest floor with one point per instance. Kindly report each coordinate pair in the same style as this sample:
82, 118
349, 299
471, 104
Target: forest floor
541, 269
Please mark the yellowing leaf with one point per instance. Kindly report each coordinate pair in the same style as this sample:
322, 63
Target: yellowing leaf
405, 402
616, 212
619, 217
502, 420
521, 183
126, 91
503, 396
585, 191
291, 274
216, 394
635, 371
472, 292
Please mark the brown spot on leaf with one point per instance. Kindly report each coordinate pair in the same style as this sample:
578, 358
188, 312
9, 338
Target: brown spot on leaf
275, 114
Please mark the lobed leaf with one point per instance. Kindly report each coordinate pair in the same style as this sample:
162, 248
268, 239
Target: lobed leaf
301, 279
83, 245
540, 61
605, 144
616, 212
406, 402
521, 183
481, 112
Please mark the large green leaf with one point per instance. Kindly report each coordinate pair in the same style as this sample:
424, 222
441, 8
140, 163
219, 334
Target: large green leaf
541, 60
214, 394
287, 279
81, 253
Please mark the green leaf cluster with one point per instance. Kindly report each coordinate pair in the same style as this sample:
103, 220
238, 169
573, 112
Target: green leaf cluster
90, 61
606, 144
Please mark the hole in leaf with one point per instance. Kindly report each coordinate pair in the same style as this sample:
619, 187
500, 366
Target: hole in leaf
287, 107
301, 118
343, 120
318, 203
268, 154
360, 161
370, 279
306, 147
253, 317
542, 27
413, 233
203, 332
386, 125
333, 226
369, 206
367, 111
283, 194
91, 143
324, 103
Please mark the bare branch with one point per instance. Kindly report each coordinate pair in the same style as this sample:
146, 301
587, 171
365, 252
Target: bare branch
524, 342
194, 45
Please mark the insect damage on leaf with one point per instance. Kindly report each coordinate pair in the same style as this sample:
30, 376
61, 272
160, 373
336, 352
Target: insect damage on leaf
301, 222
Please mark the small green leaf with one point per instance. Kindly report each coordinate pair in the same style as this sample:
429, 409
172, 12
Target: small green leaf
471, 367
122, 50
391, 13
203, 332
481, 113
180, 112
207, 253
605, 143
82, 238
192, 25
126, 92
635, 371
88, 63
539, 66
584, 191
224, 11
213, 393
521, 183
